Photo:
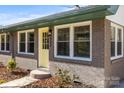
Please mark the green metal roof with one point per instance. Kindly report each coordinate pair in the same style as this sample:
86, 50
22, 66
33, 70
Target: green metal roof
76, 15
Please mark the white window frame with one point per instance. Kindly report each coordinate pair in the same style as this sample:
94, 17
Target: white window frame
26, 40
116, 29
71, 53
4, 42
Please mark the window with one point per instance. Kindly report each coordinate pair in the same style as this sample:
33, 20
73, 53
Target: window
116, 41
82, 41
22, 42
30, 42
45, 42
5, 42
26, 42
63, 42
73, 41
112, 41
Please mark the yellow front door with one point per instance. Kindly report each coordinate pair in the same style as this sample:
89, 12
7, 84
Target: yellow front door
43, 47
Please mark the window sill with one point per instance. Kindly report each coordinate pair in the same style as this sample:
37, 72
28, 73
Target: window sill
74, 58
4, 51
23, 53
117, 57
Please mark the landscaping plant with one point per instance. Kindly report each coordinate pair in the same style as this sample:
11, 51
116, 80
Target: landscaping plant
2, 81
11, 65
65, 78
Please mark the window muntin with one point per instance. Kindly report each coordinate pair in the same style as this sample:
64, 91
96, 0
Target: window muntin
73, 39
63, 42
117, 41
82, 41
26, 42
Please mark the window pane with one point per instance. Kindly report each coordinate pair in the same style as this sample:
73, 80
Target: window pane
63, 42
112, 49
2, 42
119, 48
112, 41
22, 47
31, 36
22, 37
45, 40
63, 48
30, 44
22, 42
30, 47
63, 34
112, 33
7, 42
119, 42
82, 41
82, 33
82, 49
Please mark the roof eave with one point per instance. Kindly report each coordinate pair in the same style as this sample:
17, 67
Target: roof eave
99, 12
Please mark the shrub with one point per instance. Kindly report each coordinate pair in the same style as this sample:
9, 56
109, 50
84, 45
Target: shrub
2, 81
65, 78
11, 65
1, 64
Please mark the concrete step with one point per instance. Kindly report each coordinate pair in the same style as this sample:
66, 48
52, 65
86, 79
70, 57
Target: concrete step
43, 69
40, 74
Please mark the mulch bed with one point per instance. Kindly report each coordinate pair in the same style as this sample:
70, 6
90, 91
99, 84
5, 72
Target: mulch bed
52, 82
8, 76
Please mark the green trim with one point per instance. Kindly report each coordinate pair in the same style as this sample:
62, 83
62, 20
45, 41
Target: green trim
83, 14
113, 9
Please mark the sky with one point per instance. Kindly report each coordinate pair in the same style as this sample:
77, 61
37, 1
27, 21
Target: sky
10, 14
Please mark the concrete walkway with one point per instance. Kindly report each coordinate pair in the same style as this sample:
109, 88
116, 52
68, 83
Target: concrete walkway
18, 82
120, 85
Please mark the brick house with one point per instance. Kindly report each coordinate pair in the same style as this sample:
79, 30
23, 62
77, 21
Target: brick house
87, 42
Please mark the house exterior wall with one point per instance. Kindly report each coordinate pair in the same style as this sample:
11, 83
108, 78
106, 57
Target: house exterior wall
23, 60
5, 56
117, 67
113, 68
89, 72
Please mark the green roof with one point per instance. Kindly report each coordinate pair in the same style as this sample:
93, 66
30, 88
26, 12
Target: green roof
76, 15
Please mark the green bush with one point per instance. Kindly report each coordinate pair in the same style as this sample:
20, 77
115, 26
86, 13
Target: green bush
2, 81
11, 65
65, 78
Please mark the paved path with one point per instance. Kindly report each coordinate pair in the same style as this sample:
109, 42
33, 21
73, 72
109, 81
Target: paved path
120, 85
18, 82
